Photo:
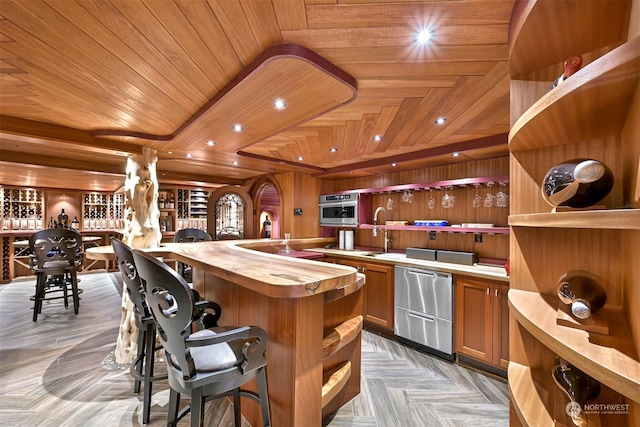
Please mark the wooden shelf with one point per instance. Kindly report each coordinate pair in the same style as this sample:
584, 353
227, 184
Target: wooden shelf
463, 182
440, 229
601, 91
563, 26
529, 398
612, 219
610, 359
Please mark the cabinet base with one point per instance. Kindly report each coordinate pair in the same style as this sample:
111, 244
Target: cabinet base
446, 356
481, 366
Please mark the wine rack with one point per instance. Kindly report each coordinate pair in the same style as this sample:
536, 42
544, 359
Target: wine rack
102, 211
6, 262
182, 208
198, 203
22, 208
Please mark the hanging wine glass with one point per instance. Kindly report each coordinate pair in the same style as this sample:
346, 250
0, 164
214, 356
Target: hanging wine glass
502, 199
477, 200
489, 198
389, 203
447, 200
431, 204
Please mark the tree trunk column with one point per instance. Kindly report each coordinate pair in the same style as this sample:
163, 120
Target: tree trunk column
141, 231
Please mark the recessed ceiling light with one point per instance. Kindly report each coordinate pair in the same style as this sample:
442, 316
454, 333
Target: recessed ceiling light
440, 120
169, 152
394, 164
300, 158
279, 104
210, 143
188, 155
456, 154
238, 128
377, 138
235, 163
423, 36
333, 149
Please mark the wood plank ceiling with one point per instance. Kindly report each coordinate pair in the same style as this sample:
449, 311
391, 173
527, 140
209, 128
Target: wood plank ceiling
83, 83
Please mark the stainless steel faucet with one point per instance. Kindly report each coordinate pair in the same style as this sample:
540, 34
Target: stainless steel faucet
375, 227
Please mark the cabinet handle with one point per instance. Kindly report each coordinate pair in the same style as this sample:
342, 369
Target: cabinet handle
488, 291
496, 291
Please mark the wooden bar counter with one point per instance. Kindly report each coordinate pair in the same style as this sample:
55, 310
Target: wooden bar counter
310, 310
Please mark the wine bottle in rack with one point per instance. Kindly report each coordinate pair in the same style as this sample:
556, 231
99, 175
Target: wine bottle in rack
583, 293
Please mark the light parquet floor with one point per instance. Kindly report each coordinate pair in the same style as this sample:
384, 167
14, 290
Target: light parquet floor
52, 373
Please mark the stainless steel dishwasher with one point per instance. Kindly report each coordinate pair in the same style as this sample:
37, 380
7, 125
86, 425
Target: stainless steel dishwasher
424, 310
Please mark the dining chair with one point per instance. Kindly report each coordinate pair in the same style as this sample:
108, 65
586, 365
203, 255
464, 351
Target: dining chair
206, 312
56, 265
206, 364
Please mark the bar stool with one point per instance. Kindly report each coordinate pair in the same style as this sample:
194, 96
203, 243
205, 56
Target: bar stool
56, 265
207, 364
141, 369
189, 235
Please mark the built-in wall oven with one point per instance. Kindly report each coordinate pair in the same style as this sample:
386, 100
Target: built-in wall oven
424, 310
339, 209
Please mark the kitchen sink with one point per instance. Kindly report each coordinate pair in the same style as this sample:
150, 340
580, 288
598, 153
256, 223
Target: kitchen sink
389, 255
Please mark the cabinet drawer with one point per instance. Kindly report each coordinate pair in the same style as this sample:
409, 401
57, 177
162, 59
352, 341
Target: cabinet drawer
426, 330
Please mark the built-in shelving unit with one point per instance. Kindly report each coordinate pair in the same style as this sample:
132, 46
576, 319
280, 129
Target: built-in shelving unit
451, 185
592, 114
102, 211
182, 208
22, 208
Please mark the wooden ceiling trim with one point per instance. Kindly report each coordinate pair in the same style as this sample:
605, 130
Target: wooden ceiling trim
39, 132
416, 70
491, 141
396, 36
438, 53
327, 74
68, 162
348, 13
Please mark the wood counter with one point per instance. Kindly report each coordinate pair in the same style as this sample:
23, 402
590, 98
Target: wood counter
299, 303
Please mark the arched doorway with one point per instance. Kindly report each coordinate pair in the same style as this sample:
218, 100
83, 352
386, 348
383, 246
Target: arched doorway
267, 200
230, 214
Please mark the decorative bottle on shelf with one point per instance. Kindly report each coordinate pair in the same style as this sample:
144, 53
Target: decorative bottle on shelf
571, 65
163, 225
172, 204
75, 224
583, 293
63, 219
266, 226
578, 387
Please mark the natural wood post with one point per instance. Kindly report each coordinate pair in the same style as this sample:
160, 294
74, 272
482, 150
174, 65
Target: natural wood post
142, 230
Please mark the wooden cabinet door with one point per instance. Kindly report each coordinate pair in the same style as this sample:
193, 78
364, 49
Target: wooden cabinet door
501, 326
473, 319
379, 294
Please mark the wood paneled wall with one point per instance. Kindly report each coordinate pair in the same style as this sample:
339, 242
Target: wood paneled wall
492, 246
